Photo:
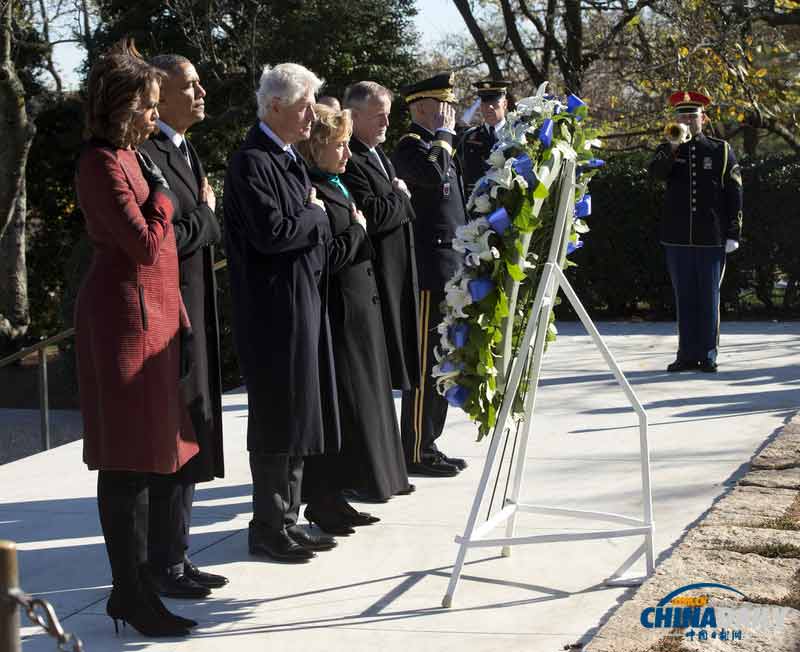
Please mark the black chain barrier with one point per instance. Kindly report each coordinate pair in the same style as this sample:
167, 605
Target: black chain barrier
40, 612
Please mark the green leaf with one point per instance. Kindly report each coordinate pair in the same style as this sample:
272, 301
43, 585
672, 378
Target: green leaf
541, 192
515, 271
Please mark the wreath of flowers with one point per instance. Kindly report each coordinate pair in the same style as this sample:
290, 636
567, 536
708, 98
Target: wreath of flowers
488, 300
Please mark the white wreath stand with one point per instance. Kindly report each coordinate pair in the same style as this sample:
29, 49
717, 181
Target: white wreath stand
551, 281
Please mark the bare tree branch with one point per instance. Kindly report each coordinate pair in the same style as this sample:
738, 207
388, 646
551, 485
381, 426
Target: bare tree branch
477, 34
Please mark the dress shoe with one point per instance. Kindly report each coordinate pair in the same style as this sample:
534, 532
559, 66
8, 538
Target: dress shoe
410, 489
209, 580
172, 585
457, 462
277, 545
352, 516
682, 365
708, 366
150, 591
319, 542
329, 519
433, 468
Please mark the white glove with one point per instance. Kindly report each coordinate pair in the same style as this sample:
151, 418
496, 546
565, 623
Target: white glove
731, 246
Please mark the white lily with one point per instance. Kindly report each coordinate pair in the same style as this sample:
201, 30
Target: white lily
497, 158
482, 204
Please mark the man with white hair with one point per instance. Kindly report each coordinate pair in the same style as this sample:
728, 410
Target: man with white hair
276, 235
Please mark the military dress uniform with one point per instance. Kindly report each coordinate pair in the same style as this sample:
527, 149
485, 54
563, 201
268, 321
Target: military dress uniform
702, 212
425, 161
475, 144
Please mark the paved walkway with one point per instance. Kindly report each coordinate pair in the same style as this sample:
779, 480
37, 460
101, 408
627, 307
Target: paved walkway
382, 587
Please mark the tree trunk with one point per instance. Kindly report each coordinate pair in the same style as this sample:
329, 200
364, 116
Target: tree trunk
16, 134
572, 67
14, 313
487, 53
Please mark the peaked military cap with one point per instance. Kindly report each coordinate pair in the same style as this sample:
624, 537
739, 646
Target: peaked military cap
438, 87
689, 101
491, 88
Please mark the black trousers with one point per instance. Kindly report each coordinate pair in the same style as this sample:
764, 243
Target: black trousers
170, 518
423, 410
122, 498
277, 483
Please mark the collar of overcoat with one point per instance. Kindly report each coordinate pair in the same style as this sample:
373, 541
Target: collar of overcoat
176, 160
361, 152
328, 193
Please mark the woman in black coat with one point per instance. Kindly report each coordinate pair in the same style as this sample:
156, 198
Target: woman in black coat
371, 458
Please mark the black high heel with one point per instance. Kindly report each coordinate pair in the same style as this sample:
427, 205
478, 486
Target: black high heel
352, 516
150, 591
331, 521
136, 610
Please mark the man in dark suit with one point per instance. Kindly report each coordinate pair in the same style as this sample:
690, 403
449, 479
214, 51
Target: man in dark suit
276, 236
384, 200
424, 160
181, 105
476, 143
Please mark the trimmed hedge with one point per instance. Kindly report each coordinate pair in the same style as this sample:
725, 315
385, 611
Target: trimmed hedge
621, 269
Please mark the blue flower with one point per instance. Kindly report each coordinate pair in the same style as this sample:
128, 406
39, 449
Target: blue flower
448, 365
574, 103
592, 163
499, 220
524, 167
480, 288
458, 334
457, 395
572, 246
583, 208
546, 133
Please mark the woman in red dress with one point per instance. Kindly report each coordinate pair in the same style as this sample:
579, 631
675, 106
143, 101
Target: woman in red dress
128, 320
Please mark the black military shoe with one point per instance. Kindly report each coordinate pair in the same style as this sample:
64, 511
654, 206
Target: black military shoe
209, 580
310, 541
708, 366
682, 365
457, 462
434, 468
277, 545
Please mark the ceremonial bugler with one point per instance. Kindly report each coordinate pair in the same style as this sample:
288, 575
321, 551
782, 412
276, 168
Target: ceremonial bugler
703, 201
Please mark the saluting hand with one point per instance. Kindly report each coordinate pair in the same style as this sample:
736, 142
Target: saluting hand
445, 117
358, 217
312, 199
400, 185
207, 195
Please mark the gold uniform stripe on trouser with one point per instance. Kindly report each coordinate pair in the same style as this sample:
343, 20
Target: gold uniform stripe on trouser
719, 297
419, 396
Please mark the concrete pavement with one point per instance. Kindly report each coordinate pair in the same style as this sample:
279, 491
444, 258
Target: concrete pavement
383, 586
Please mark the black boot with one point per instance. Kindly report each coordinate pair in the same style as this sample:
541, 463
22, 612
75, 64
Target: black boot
122, 503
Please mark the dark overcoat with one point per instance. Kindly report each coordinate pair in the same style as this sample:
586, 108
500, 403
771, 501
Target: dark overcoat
371, 458
128, 317
426, 163
390, 226
196, 232
276, 243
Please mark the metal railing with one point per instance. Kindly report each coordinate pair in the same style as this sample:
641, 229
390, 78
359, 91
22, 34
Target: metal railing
40, 612
40, 348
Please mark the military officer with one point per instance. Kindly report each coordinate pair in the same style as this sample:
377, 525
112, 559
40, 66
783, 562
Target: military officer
701, 223
424, 159
476, 143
